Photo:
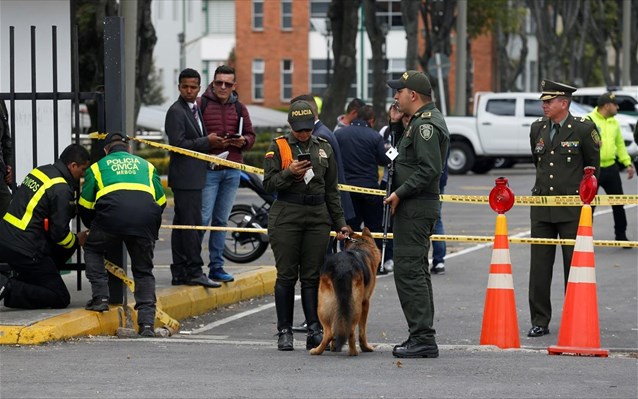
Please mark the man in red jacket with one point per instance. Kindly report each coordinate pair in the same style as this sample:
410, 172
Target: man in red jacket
226, 117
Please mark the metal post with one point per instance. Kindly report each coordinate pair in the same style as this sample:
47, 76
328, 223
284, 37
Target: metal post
626, 43
129, 12
461, 59
115, 104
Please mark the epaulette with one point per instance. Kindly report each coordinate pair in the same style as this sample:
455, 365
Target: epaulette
321, 139
539, 119
426, 115
280, 137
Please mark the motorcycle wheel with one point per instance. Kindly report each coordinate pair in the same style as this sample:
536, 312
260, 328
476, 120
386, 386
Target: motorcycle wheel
250, 247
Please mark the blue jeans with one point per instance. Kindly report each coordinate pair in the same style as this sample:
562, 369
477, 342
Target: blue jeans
438, 247
218, 197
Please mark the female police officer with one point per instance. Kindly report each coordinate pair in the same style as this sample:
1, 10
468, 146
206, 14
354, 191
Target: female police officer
302, 170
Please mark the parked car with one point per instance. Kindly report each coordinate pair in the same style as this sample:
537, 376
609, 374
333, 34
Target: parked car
499, 131
626, 96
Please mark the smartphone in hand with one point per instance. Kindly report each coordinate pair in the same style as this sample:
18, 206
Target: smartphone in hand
304, 157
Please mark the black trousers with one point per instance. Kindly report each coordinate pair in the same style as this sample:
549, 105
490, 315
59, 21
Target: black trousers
610, 181
37, 284
186, 245
141, 251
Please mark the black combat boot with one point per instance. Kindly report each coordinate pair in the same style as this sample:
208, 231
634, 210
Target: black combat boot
309, 302
284, 302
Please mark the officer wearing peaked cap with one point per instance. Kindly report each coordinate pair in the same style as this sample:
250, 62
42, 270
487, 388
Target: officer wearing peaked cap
415, 205
562, 146
308, 204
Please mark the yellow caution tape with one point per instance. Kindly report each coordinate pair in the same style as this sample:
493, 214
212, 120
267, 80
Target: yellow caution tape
535, 241
171, 324
558, 200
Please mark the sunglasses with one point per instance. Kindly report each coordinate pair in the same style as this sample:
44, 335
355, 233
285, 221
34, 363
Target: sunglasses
221, 84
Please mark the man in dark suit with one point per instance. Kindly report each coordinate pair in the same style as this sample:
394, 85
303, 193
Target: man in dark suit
186, 177
562, 146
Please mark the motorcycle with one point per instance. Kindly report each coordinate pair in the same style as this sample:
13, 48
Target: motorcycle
244, 247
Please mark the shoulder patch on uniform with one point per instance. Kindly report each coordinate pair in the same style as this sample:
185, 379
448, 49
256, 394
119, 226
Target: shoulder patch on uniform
426, 115
596, 137
269, 154
426, 132
322, 153
321, 139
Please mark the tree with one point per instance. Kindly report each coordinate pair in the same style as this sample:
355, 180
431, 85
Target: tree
438, 19
410, 16
89, 16
344, 22
152, 94
377, 37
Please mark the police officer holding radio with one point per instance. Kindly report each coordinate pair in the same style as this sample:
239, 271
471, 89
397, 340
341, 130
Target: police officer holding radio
562, 146
415, 205
302, 170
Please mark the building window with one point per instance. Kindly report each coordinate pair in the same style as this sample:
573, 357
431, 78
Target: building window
319, 8
208, 71
394, 69
319, 78
160, 9
286, 80
258, 15
219, 17
389, 12
286, 14
258, 79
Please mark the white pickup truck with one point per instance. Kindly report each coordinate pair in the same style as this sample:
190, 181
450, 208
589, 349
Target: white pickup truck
500, 127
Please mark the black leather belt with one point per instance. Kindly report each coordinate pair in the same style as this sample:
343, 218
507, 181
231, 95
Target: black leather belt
301, 199
214, 166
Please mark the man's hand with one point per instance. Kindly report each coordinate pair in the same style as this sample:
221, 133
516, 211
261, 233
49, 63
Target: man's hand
393, 200
395, 114
8, 177
215, 141
82, 236
631, 171
238, 142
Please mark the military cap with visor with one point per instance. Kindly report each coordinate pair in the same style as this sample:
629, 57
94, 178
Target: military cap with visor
300, 116
606, 98
551, 90
413, 80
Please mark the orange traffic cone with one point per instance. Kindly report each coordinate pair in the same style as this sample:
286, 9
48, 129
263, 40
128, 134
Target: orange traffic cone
500, 323
579, 332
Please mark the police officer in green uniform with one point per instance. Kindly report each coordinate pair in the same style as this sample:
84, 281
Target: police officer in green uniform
562, 146
301, 169
122, 202
415, 205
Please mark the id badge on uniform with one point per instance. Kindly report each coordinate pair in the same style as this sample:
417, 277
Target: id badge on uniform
308, 176
392, 153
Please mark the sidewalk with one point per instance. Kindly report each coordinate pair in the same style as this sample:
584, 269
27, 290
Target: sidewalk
28, 327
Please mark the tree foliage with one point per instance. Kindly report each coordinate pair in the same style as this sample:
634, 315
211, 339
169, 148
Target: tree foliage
344, 22
89, 17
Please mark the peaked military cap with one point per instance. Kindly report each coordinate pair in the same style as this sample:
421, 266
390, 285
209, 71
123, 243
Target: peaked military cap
606, 98
552, 90
413, 80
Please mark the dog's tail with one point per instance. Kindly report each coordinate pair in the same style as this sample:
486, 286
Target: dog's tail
346, 277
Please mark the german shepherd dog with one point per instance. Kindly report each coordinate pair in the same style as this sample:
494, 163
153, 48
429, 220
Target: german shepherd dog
345, 287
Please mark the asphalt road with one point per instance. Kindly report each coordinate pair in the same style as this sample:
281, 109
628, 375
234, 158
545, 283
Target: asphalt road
231, 352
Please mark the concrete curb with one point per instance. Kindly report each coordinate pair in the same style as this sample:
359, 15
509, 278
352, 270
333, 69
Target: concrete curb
179, 302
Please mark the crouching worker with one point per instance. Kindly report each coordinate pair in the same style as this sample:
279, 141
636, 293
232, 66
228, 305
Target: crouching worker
36, 238
122, 201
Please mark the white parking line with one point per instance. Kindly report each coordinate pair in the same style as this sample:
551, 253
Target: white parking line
465, 251
237, 316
